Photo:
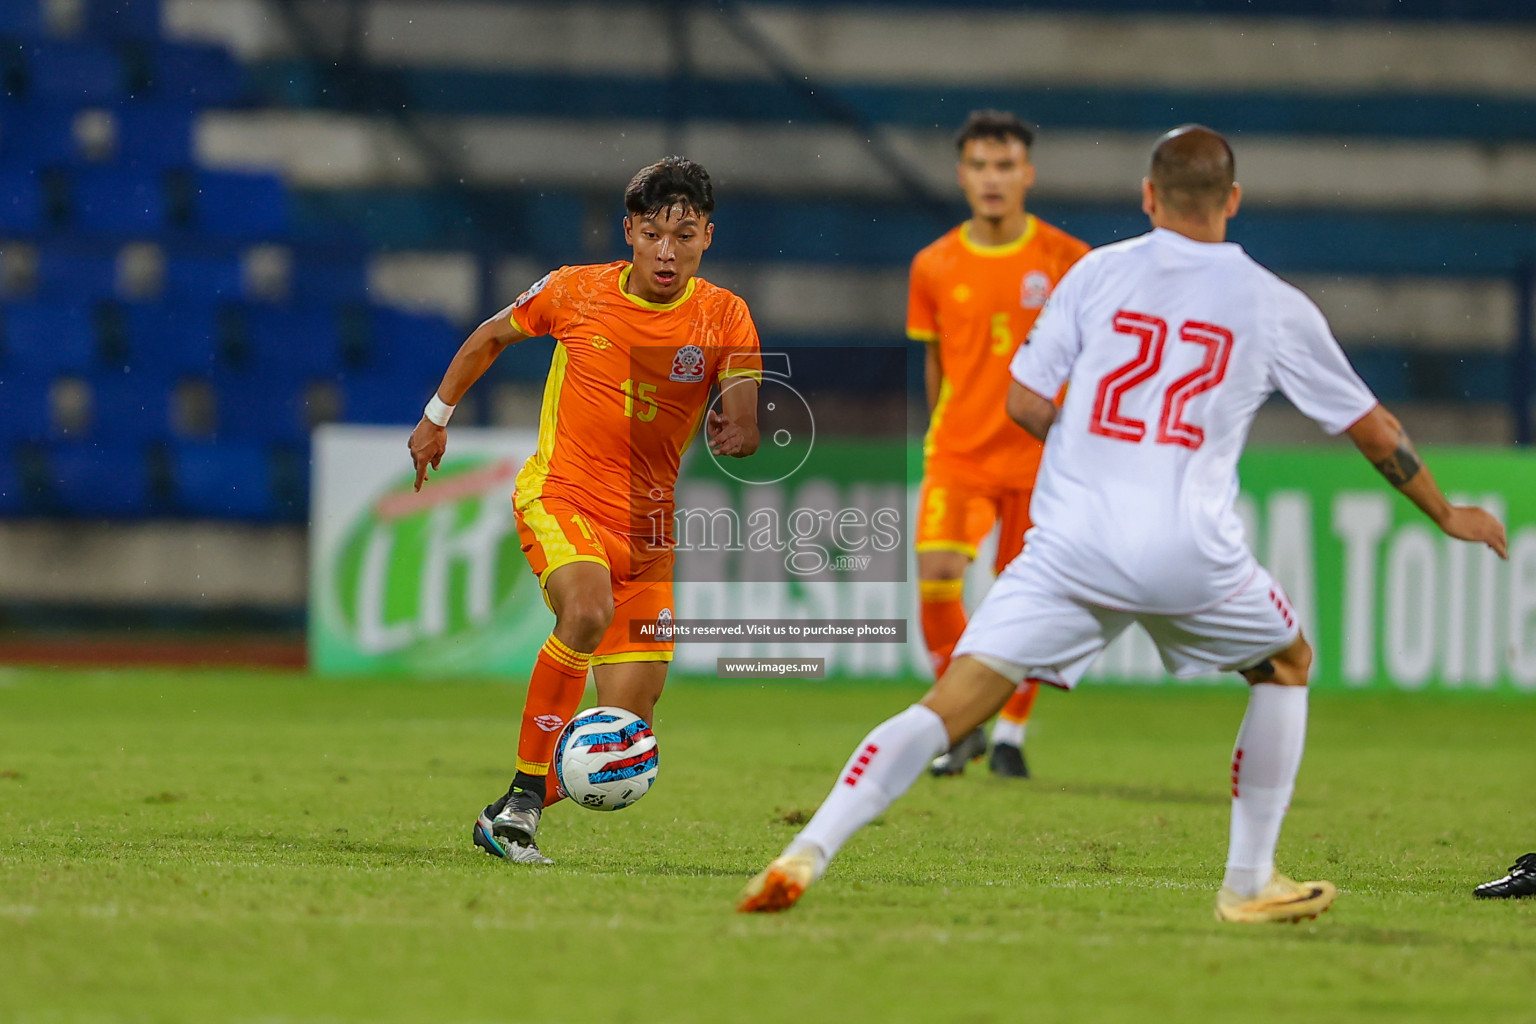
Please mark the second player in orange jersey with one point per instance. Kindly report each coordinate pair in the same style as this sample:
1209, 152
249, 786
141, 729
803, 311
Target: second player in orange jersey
973, 297
639, 346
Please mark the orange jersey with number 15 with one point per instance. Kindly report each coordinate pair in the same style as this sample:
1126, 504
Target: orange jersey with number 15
628, 386
978, 304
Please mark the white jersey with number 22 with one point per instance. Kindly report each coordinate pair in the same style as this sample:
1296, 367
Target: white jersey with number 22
1168, 346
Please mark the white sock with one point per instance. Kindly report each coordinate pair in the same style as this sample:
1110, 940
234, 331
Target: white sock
1264, 765
1011, 733
882, 768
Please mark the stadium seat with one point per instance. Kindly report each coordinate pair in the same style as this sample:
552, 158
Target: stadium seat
123, 19
411, 344
171, 339
130, 407
37, 133
261, 407
384, 398
228, 480
117, 202
203, 76
21, 201
24, 412
76, 72
154, 136
11, 500
21, 18
234, 205
44, 340
73, 274
301, 342
329, 277
104, 479
204, 276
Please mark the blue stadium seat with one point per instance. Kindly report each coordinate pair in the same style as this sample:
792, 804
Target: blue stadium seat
21, 18
384, 398
36, 134
12, 502
261, 407
44, 340
21, 200
228, 480
231, 204
130, 407
329, 277
204, 276
117, 202
171, 339
67, 272
411, 344
300, 342
24, 414
204, 76
154, 136
108, 480
76, 72
123, 19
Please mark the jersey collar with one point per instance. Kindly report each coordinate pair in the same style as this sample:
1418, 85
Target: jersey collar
1007, 248
660, 307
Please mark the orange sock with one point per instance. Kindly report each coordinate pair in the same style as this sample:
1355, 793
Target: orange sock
1021, 703
943, 619
554, 694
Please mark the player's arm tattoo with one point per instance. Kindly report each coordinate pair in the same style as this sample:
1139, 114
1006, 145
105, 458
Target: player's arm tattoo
1403, 464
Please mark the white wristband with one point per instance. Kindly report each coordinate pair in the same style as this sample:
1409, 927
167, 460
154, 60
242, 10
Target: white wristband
439, 411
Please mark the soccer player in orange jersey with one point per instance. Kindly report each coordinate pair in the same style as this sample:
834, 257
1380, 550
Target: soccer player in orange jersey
639, 344
973, 297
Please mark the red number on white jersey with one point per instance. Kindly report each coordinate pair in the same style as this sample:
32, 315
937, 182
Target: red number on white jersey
1107, 419
1172, 429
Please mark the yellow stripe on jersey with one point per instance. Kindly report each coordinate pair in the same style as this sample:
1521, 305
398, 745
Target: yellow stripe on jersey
1006, 249
936, 417
746, 371
660, 307
530, 479
926, 337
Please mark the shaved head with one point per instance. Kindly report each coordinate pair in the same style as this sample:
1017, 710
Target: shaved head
1193, 170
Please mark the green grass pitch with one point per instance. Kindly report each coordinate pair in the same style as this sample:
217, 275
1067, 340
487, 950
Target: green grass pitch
268, 847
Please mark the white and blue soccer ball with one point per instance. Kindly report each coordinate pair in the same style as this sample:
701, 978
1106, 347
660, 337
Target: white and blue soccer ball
606, 758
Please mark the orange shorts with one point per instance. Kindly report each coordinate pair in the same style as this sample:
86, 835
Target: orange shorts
555, 533
956, 514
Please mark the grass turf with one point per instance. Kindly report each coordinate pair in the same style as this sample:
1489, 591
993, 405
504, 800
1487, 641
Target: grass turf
179, 846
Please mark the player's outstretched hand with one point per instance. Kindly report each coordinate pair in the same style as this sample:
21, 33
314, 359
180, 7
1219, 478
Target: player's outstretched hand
427, 444
725, 435
1468, 522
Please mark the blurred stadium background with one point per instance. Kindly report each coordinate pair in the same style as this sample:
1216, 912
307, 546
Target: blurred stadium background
224, 222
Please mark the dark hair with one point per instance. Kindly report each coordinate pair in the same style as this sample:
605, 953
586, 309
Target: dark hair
668, 182
1193, 168
993, 124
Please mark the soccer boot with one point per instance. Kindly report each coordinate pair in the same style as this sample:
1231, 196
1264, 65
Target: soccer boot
1521, 881
780, 884
494, 833
971, 747
1280, 900
1007, 760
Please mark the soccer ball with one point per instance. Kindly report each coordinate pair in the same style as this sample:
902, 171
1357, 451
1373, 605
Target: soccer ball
606, 758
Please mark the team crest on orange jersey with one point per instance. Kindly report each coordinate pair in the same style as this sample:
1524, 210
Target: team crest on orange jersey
601, 343
688, 364
533, 289
1035, 289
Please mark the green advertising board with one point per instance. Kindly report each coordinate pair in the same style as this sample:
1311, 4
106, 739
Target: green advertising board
434, 583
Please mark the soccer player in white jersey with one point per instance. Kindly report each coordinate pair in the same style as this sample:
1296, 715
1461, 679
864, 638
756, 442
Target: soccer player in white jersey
1169, 343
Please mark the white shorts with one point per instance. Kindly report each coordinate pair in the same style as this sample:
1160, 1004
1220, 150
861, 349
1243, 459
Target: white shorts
1030, 627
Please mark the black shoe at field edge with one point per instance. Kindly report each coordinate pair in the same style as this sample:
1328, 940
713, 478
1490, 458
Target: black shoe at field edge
970, 747
1008, 761
1521, 881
